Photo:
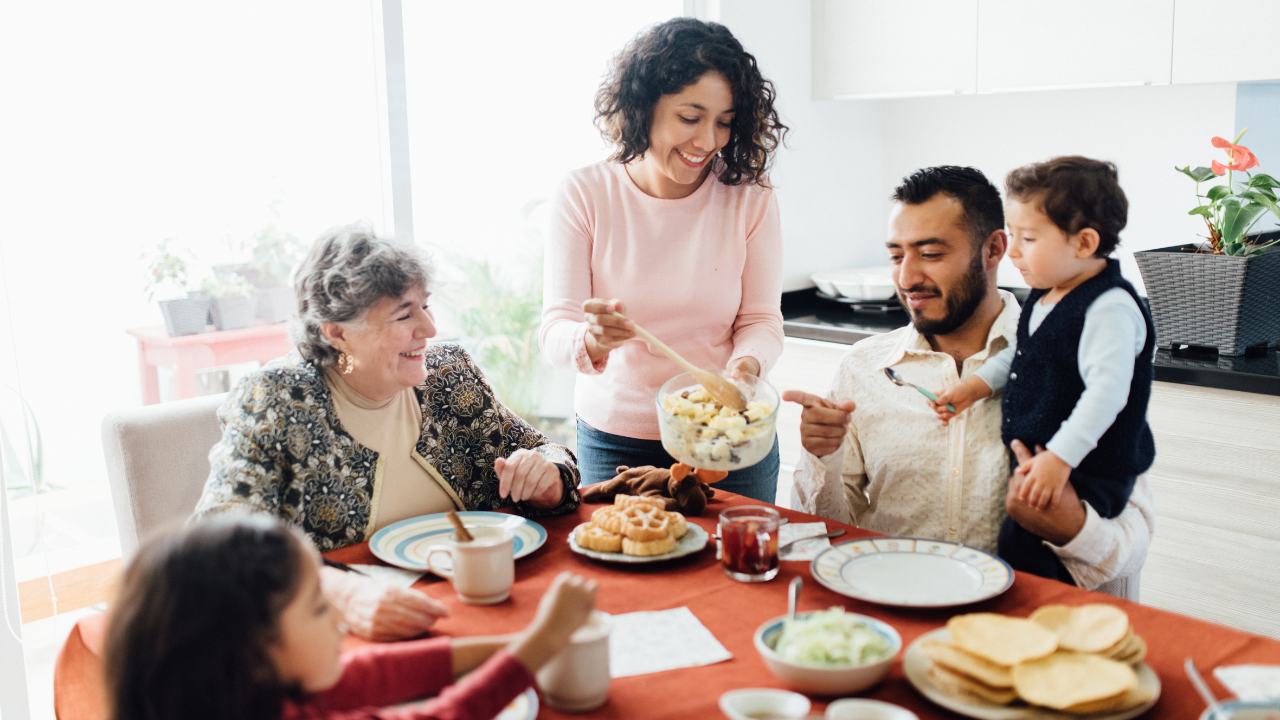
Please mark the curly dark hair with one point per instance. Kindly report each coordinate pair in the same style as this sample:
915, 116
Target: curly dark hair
1075, 193
197, 612
669, 57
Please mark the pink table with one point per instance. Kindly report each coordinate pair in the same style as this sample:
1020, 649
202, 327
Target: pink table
185, 354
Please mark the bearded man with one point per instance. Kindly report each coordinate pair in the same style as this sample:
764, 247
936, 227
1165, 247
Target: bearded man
876, 454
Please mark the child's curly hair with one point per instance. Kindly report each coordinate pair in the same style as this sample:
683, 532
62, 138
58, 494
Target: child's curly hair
671, 56
1075, 193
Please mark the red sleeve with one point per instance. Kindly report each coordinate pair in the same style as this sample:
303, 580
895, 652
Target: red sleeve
480, 695
390, 673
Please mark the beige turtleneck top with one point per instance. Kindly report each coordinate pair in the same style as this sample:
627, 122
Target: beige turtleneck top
405, 485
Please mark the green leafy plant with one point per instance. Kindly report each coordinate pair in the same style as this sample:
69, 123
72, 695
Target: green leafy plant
503, 318
1230, 211
167, 269
23, 479
273, 254
227, 285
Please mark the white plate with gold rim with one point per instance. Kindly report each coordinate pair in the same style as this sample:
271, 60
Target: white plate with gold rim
916, 667
911, 572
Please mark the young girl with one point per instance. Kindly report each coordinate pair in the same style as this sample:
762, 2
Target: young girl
1077, 382
225, 620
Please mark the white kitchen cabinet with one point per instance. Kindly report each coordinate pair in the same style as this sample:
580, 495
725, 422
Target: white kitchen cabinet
1225, 41
1050, 44
868, 50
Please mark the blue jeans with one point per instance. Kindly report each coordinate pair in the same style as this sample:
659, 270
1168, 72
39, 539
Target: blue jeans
600, 453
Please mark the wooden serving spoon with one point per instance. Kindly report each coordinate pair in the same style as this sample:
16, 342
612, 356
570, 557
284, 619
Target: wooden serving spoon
724, 392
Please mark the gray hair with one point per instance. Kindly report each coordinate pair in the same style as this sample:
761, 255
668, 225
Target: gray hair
347, 272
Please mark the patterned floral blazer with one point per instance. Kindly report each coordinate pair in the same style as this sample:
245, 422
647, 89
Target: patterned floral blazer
283, 450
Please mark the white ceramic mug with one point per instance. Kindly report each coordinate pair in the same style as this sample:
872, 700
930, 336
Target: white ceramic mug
483, 569
577, 679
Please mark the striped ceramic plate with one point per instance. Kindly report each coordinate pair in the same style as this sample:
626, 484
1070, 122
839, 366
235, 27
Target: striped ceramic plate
405, 544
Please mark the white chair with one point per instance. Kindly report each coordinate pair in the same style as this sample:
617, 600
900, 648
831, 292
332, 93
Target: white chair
157, 463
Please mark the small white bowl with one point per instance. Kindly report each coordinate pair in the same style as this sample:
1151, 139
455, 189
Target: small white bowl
828, 681
862, 709
742, 704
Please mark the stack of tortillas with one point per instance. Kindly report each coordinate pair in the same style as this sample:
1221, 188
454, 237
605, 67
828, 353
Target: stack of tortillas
1074, 659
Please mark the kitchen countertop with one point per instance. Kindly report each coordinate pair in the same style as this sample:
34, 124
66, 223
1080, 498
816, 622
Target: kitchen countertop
806, 315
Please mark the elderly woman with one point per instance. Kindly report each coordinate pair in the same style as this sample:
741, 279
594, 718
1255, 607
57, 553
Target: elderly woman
679, 230
367, 423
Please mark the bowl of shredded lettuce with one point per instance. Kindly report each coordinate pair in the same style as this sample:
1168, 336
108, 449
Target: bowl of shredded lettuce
828, 652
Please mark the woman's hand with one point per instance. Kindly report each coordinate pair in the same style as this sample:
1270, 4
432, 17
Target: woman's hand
745, 365
378, 610
605, 331
529, 477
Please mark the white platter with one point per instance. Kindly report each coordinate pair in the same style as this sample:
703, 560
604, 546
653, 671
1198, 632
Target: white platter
693, 541
916, 666
405, 543
911, 572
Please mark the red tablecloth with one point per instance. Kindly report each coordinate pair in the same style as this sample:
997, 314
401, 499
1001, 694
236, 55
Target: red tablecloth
732, 611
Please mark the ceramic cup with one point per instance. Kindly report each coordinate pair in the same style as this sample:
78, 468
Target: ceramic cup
483, 569
577, 680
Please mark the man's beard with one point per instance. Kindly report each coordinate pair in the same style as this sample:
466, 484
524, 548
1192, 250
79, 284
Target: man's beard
962, 300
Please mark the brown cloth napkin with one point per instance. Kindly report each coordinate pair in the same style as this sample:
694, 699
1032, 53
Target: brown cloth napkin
687, 496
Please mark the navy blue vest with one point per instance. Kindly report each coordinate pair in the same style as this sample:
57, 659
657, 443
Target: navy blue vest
1045, 385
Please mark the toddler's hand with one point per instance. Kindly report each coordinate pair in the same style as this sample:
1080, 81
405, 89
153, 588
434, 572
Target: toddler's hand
1047, 476
564, 607
961, 396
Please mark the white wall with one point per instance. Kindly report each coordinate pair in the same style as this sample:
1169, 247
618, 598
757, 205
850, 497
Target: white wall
1258, 108
827, 178
1144, 130
845, 157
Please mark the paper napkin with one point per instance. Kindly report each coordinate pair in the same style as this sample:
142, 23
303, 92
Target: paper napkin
807, 549
394, 575
1251, 683
649, 642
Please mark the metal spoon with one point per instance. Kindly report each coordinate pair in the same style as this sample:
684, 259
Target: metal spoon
724, 391
833, 533
1215, 710
793, 597
899, 381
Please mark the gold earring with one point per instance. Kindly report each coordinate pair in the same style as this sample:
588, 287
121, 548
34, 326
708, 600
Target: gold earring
346, 363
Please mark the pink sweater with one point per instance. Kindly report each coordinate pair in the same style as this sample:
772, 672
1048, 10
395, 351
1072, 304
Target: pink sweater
377, 678
702, 273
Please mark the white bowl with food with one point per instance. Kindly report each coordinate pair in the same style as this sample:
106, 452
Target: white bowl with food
828, 652
749, 703
701, 433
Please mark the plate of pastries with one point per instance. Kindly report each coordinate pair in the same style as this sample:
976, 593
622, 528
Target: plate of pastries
1061, 662
636, 529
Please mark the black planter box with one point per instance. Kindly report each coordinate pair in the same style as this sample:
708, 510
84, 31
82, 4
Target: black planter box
1219, 301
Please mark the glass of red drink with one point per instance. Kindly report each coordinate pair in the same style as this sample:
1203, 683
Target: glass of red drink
749, 543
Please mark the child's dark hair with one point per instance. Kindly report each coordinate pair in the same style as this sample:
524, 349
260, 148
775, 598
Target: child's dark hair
983, 212
1075, 193
197, 613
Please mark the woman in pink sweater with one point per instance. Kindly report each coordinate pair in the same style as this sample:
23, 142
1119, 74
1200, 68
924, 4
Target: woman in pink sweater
679, 230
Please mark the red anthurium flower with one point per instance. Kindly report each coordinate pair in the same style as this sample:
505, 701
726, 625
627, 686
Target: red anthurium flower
1242, 158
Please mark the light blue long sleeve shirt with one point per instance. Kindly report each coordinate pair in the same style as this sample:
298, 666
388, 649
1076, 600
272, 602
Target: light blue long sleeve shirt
1113, 335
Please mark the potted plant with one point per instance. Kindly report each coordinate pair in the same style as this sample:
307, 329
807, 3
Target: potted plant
233, 305
1223, 292
166, 279
272, 256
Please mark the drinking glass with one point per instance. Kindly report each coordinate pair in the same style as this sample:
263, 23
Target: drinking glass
749, 543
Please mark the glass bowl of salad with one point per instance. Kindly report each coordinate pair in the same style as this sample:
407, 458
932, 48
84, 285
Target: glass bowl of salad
699, 432
828, 652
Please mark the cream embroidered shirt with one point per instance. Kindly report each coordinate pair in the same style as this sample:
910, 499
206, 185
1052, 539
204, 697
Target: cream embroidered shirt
901, 472
405, 485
